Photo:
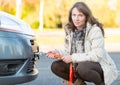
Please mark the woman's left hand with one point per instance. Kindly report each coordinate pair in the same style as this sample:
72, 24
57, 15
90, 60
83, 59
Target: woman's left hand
67, 59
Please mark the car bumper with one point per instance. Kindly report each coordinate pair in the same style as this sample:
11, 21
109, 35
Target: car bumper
17, 79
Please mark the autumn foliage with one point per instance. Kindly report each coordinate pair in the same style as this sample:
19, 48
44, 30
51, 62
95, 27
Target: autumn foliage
56, 11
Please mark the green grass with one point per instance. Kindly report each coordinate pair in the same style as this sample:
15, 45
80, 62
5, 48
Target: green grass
50, 40
47, 43
56, 39
113, 39
46, 39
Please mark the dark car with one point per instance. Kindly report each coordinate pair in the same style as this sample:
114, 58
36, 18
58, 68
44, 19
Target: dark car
17, 51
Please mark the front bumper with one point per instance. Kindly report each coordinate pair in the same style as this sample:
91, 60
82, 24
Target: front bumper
19, 78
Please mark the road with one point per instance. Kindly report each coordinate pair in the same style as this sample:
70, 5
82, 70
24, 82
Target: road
46, 77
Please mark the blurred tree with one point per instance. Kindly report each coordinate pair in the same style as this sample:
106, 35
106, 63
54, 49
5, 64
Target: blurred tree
8, 6
30, 12
18, 8
56, 11
41, 14
117, 19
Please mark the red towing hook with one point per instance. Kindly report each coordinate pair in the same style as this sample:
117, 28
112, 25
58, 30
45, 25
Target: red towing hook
71, 71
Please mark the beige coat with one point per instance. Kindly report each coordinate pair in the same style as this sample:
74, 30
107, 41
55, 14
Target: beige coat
94, 51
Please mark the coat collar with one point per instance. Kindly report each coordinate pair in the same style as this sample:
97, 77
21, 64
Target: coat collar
88, 28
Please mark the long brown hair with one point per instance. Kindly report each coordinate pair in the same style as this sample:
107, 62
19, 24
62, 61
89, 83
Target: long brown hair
82, 7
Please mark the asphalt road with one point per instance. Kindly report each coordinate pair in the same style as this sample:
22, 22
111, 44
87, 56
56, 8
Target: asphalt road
46, 77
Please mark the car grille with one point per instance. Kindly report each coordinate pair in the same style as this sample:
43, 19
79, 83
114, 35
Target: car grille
31, 65
32, 62
10, 67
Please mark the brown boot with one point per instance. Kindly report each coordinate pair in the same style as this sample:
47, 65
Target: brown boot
79, 82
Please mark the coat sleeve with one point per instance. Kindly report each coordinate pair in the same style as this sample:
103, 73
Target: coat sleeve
96, 52
64, 51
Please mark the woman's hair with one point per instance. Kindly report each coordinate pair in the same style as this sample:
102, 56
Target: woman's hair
82, 7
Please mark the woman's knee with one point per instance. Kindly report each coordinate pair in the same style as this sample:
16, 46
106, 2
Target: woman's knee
82, 70
54, 66
86, 72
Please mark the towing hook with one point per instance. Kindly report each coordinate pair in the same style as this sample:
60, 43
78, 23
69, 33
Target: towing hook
39, 54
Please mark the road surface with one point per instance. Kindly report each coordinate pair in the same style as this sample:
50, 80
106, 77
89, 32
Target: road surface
46, 77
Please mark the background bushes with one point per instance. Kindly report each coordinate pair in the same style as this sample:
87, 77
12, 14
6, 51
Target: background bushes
56, 11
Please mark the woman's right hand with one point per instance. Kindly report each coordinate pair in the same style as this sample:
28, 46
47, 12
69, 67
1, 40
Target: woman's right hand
50, 54
53, 54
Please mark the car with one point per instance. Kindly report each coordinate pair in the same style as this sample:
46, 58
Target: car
18, 51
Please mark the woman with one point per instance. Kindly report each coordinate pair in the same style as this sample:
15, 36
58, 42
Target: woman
84, 47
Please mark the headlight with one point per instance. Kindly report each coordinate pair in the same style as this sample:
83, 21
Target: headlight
34, 46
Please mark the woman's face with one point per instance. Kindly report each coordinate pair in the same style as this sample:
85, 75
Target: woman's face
78, 18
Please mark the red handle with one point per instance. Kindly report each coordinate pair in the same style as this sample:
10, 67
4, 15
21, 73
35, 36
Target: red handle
71, 74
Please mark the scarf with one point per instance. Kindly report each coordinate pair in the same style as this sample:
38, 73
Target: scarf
78, 41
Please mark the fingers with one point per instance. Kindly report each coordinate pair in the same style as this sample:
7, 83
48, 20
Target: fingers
50, 54
67, 59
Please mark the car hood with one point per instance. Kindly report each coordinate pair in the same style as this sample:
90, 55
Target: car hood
9, 22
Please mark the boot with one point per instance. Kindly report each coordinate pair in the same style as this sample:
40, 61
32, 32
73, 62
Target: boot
79, 82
